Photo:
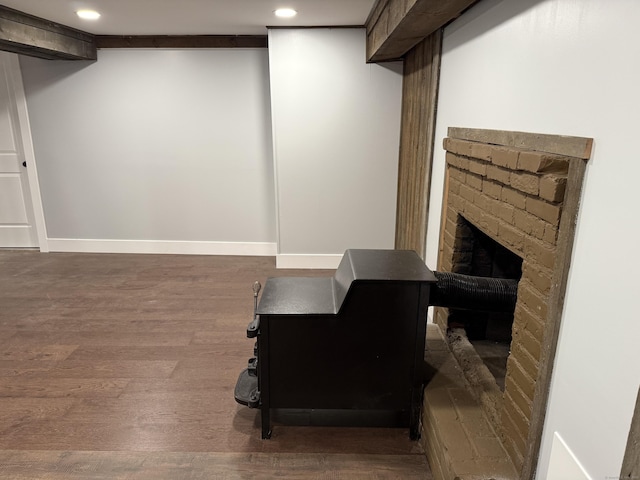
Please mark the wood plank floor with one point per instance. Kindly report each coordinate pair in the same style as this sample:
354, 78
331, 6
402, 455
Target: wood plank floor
123, 366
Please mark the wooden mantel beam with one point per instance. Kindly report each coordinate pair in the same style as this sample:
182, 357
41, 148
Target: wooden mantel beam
395, 26
28, 35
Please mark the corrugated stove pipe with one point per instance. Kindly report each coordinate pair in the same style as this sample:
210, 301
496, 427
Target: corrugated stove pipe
466, 292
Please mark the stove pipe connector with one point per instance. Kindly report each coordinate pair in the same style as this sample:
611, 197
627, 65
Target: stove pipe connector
466, 292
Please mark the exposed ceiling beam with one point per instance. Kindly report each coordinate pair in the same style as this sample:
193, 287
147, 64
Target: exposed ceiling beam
28, 35
181, 41
395, 26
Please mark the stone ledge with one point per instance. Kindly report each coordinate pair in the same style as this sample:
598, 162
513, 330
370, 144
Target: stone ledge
578, 147
458, 440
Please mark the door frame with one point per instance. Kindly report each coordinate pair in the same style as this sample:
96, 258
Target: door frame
24, 143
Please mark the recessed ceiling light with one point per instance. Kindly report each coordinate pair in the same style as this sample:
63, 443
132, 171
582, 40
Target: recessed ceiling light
88, 14
285, 12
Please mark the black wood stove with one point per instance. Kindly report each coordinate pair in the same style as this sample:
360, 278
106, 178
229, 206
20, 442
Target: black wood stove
351, 342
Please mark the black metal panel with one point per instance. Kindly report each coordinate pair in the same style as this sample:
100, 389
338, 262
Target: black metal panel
391, 265
362, 358
297, 296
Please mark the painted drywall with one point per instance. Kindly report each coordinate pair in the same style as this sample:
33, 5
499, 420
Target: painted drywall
154, 146
569, 67
336, 124
563, 464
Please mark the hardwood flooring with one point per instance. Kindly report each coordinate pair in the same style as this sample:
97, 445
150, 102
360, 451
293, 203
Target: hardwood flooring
123, 366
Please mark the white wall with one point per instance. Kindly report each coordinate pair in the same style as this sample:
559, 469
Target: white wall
568, 67
155, 146
336, 124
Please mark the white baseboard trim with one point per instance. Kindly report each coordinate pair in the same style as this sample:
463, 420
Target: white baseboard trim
308, 261
162, 247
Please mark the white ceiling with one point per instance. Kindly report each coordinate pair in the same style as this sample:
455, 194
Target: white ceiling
194, 17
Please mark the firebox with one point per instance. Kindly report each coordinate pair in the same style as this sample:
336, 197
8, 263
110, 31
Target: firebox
489, 331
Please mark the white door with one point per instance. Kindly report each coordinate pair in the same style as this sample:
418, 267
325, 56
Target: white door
17, 224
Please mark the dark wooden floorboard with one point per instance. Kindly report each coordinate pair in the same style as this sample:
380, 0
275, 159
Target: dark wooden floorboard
123, 366
18, 465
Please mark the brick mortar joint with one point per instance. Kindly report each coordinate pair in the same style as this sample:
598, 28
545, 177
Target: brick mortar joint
525, 282
438, 449
508, 224
511, 190
560, 174
502, 147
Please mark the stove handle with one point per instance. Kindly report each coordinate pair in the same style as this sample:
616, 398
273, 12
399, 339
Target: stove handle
253, 329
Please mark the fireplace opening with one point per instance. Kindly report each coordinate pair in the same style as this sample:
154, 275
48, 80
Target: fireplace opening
488, 332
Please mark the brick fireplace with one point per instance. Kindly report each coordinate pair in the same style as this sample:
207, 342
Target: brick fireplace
522, 191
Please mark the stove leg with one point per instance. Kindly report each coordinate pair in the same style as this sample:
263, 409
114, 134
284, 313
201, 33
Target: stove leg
266, 423
414, 417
